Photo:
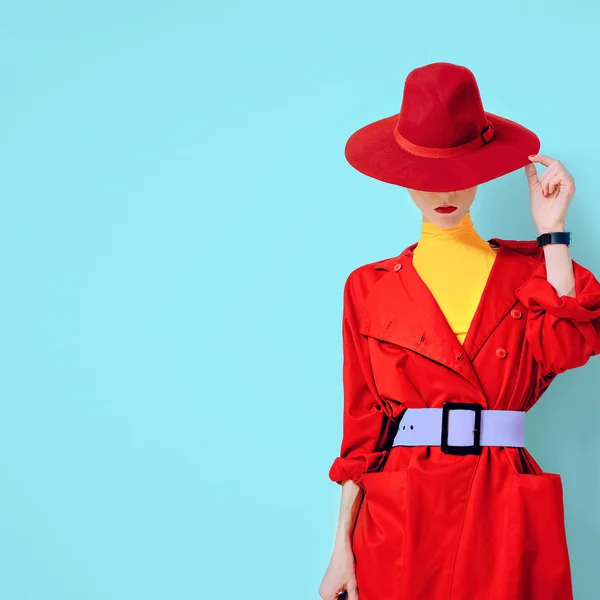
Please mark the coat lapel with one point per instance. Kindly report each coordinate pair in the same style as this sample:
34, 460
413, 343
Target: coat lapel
401, 309
510, 270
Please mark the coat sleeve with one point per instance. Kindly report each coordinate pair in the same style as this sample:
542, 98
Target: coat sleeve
366, 426
563, 331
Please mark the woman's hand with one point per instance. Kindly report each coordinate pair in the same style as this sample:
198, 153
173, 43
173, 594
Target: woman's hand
550, 197
551, 194
339, 575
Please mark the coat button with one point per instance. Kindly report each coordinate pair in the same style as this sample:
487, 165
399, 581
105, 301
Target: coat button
500, 352
515, 313
397, 266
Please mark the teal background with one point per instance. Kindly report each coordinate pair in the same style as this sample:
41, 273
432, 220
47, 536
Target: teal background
177, 220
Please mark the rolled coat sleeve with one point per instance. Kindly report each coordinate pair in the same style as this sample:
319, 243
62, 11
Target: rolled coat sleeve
563, 331
365, 423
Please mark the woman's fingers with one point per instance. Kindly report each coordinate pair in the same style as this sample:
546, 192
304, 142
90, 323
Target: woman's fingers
553, 184
550, 177
532, 178
540, 158
551, 171
344, 593
554, 177
339, 581
352, 591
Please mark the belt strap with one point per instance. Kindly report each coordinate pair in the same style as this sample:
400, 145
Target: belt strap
423, 427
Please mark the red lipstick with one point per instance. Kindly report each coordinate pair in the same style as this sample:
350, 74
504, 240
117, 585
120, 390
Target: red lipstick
445, 209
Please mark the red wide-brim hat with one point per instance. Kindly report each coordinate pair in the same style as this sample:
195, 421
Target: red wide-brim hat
442, 139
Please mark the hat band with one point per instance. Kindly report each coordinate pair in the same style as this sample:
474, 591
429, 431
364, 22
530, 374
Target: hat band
486, 135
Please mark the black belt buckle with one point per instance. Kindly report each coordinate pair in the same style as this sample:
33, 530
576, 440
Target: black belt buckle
475, 448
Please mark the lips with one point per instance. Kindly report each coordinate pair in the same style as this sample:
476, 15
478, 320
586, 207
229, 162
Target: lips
445, 209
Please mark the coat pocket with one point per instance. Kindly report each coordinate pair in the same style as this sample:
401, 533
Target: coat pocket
535, 558
379, 535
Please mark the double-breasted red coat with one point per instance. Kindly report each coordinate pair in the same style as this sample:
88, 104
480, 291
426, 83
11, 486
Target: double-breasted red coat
437, 526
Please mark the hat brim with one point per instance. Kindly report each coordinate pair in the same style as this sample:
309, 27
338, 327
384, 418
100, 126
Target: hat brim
373, 151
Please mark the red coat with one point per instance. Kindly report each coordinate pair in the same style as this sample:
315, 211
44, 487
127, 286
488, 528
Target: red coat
436, 526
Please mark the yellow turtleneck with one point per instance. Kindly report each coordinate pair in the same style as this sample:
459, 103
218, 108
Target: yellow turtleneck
454, 263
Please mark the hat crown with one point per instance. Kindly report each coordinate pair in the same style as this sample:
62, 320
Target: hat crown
441, 106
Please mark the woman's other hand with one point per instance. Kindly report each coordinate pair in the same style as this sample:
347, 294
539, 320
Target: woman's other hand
339, 576
551, 194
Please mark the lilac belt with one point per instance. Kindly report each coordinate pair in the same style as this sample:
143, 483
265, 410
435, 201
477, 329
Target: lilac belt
461, 428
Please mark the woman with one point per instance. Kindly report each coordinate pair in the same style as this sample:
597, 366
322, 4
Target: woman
446, 347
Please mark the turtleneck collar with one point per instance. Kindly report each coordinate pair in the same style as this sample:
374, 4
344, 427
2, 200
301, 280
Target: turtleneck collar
464, 231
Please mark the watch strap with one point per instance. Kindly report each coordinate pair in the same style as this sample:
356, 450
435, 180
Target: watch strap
554, 237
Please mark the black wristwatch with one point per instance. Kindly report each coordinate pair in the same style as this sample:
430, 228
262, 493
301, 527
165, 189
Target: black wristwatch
554, 237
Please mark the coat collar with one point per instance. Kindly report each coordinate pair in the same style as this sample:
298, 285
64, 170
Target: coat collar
401, 309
